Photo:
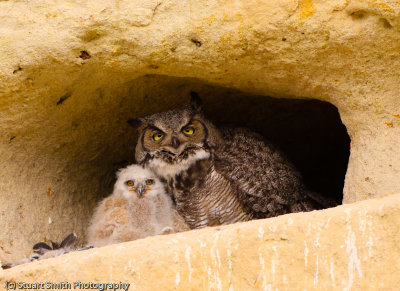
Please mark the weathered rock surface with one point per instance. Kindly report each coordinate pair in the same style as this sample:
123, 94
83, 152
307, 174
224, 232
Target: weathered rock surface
71, 74
351, 247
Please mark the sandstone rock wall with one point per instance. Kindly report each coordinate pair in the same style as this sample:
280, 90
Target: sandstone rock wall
70, 72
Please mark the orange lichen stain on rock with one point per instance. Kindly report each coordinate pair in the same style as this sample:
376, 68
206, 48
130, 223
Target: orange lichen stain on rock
307, 9
209, 20
226, 38
397, 115
205, 23
389, 124
380, 6
49, 192
51, 15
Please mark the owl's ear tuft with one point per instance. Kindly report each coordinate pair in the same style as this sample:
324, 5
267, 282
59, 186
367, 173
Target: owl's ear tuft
135, 122
195, 102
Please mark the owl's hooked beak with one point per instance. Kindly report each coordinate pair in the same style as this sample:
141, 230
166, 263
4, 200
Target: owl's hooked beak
175, 142
140, 190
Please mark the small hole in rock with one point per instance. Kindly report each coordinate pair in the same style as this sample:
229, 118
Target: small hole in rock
358, 14
17, 70
386, 23
63, 98
196, 42
85, 55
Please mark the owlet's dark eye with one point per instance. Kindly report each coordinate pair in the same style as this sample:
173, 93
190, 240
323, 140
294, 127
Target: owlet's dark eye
149, 182
129, 183
188, 131
158, 136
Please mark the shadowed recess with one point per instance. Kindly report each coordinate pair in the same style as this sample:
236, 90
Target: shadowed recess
309, 132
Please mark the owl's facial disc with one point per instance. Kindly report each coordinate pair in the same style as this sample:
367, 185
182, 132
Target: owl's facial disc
140, 188
180, 148
174, 143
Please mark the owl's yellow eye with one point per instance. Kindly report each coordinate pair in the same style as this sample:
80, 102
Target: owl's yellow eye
188, 131
129, 183
158, 136
149, 182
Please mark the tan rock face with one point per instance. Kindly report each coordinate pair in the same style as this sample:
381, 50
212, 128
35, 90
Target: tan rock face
71, 73
351, 247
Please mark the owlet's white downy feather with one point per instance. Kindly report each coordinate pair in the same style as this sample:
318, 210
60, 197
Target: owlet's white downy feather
137, 208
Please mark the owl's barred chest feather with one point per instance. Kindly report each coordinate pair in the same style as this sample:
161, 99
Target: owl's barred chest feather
204, 197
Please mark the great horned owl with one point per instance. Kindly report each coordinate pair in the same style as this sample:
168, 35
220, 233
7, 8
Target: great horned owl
137, 208
219, 175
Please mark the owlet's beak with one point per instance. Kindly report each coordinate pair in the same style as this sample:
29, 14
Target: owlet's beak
140, 191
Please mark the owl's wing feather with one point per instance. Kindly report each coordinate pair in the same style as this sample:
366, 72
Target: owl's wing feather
69, 240
267, 183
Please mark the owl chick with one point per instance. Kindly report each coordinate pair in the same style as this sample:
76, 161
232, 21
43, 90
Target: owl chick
219, 175
137, 208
